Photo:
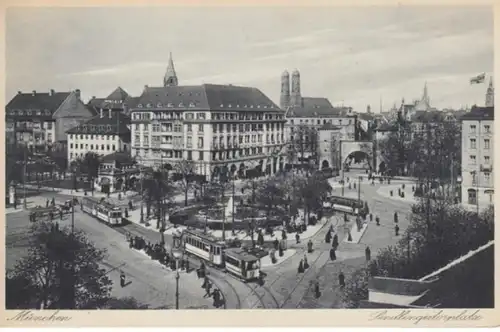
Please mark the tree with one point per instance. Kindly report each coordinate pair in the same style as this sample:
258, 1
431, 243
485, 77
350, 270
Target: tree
89, 165
270, 195
61, 271
185, 169
314, 192
453, 232
304, 140
158, 190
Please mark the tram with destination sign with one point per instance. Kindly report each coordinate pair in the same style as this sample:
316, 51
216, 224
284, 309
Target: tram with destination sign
102, 210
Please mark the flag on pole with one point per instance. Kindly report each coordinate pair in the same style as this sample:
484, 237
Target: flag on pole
478, 79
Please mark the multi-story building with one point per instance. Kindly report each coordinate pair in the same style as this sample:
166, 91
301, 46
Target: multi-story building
477, 156
305, 115
218, 127
117, 101
104, 134
40, 120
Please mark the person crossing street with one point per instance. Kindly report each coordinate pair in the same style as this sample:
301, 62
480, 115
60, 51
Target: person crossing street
122, 279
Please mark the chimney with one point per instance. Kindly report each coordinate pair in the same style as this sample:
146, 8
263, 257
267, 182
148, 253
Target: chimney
34, 93
51, 93
110, 113
102, 113
93, 97
77, 92
19, 92
146, 86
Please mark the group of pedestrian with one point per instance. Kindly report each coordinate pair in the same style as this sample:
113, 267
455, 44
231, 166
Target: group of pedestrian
215, 294
303, 265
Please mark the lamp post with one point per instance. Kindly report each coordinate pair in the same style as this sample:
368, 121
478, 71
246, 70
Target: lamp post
177, 256
359, 189
142, 190
475, 175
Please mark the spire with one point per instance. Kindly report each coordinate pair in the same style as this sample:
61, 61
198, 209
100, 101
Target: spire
170, 78
425, 97
296, 97
490, 94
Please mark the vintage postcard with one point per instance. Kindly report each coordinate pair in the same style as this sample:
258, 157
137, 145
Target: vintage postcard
249, 164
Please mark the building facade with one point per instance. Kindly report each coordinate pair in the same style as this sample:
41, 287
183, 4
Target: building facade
218, 127
40, 120
103, 134
117, 101
329, 137
478, 156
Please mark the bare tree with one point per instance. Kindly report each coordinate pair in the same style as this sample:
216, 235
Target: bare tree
185, 169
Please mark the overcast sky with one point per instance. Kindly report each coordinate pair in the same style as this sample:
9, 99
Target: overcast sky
354, 56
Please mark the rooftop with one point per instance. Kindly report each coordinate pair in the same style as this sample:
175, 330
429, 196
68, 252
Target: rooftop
329, 126
480, 113
316, 107
121, 157
205, 97
105, 125
35, 104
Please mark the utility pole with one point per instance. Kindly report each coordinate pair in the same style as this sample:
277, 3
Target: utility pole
359, 189
24, 178
223, 212
232, 225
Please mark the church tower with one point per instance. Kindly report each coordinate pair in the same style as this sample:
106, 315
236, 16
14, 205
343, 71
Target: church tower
296, 98
425, 98
490, 94
170, 78
285, 90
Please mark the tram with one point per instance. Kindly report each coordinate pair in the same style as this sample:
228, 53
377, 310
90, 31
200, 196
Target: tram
102, 210
244, 263
204, 246
345, 204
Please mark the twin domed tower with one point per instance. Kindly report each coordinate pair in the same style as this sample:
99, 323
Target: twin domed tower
293, 98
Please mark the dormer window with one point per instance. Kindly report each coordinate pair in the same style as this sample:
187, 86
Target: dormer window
159, 105
47, 112
139, 106
237, 106
170, 105
101, 128
85, 127
181, 104
149, 105
29, 112
21, 112
258, 106
191, 104
251, 106
221, 105
246, 106
108, 127
38, 113
229, 105
265, 106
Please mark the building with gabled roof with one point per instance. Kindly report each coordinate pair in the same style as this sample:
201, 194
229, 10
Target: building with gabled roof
103, 134
117, 101
40, 120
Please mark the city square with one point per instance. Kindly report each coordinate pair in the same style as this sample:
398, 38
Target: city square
195, 195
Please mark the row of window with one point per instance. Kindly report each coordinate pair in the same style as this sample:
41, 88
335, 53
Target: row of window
270, 139
486, 144
30, 112
472, 159
31, 125
216, 156
203, 246
243, 116
36, 138
487, 178
246, 116
97, 147
318, 121
92, 137
486, 129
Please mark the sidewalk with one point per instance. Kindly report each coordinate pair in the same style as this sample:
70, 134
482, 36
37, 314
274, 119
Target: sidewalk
385, 191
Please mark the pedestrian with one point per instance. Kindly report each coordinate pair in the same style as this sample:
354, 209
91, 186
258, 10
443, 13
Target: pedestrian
377, 219
260, 238
397, 230
126, 213
15, 203
395, 217
283, 235
276, 244
187, 265
316, 289
301, 267
349, 236
208, 286
216, 297
345, 217
51, 215
61, 214
47, 203
122, 279
341, 280
53, 201
205, 282
328, 236
333, 256
306, 264
335, 242
368, 254
371, 217
297, 238
309, 246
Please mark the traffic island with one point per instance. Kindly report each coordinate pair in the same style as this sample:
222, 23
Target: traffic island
354, 234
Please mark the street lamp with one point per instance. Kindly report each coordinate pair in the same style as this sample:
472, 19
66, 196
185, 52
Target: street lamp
142, 191
177, 256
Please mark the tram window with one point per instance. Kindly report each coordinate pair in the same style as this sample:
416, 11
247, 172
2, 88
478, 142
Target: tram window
232, 261
212, 249
218, 251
